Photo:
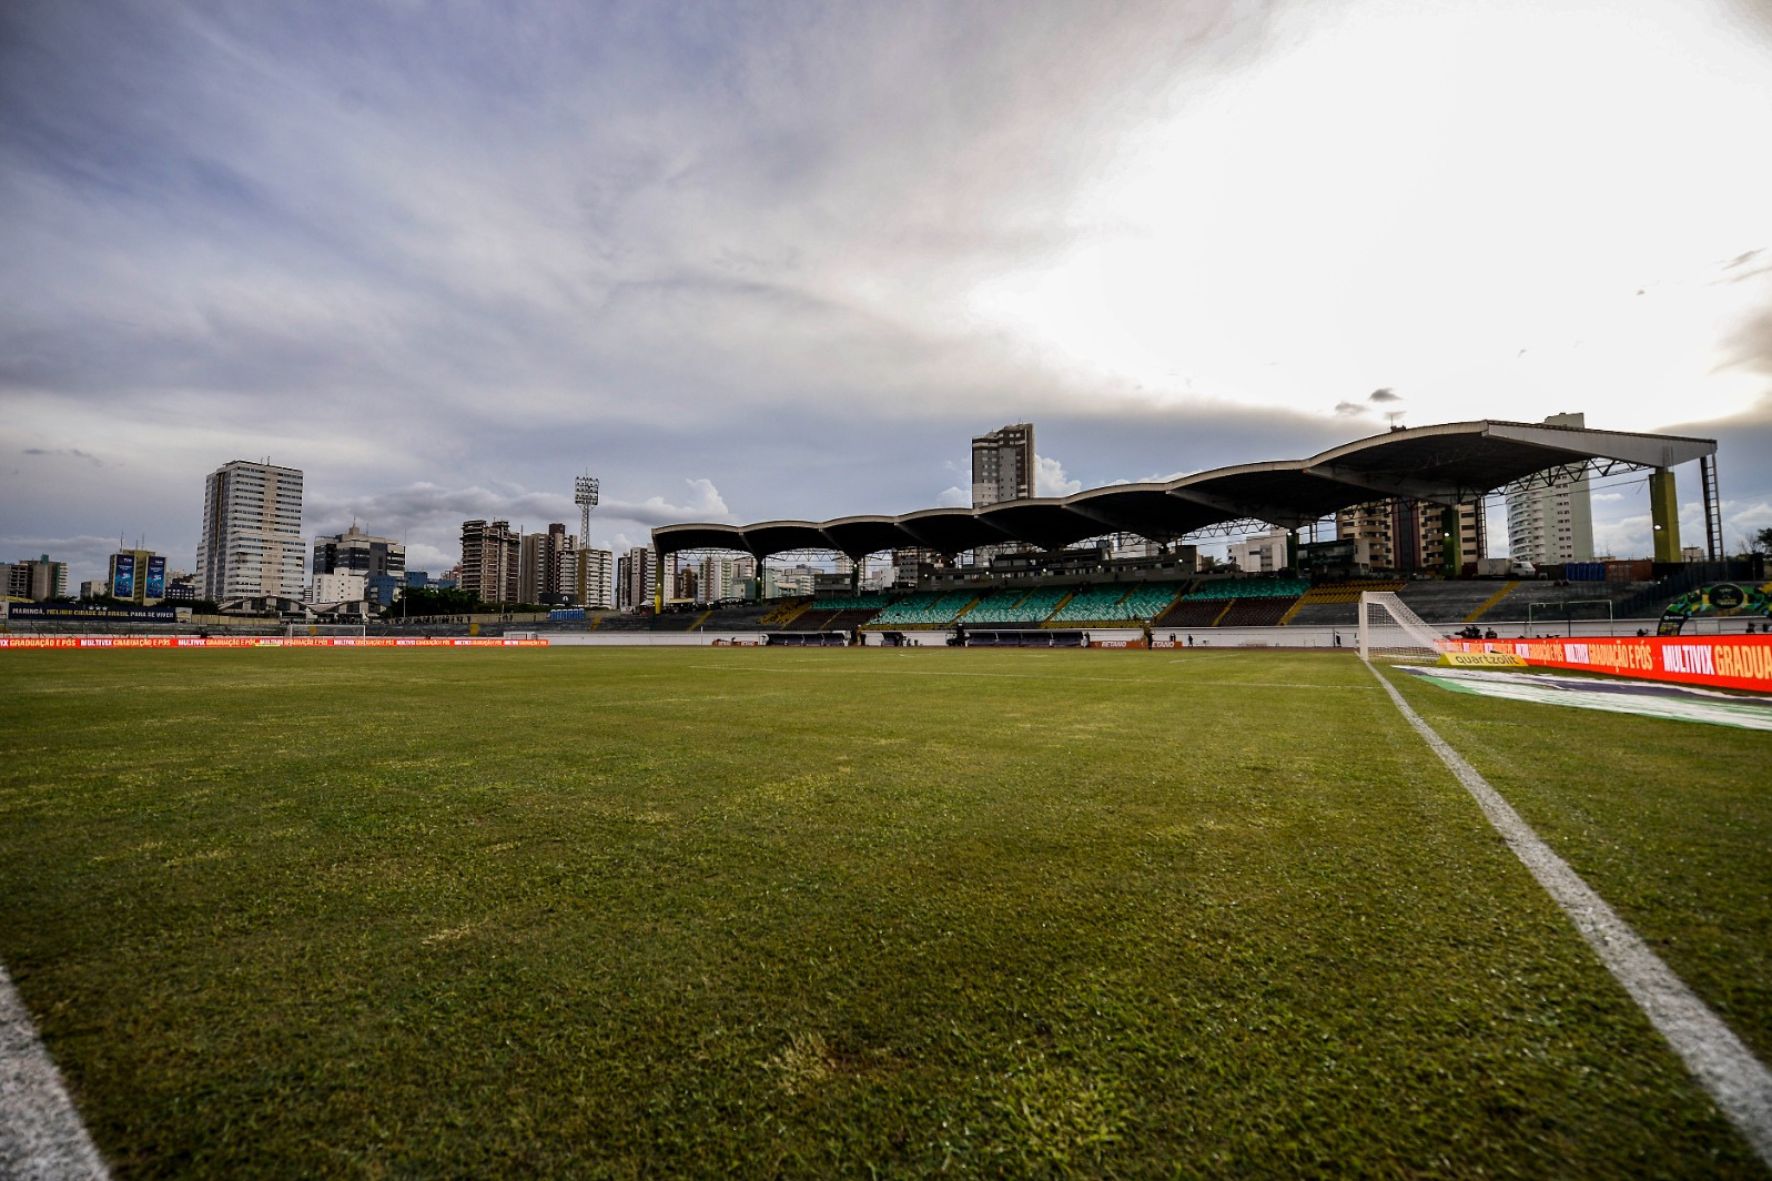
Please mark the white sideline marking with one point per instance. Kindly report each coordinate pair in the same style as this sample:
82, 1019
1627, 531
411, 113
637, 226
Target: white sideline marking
1739, 1082
41, 1136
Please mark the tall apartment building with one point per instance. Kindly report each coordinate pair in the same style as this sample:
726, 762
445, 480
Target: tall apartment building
592, 578
723, 578
251, 540
1002, 469
779, 581
36, 579
636, 576
1406, 536
1553, 525
543, 558
1003, 464
360, 553
489, 560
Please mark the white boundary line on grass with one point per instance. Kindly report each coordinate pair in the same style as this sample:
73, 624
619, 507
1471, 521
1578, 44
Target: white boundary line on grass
41, 1136
1722, 1064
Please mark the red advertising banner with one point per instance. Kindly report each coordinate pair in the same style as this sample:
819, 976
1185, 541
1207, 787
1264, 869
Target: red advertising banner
1721, 662
268, 642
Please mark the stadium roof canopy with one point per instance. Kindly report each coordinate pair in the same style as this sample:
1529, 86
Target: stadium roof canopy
1447, 464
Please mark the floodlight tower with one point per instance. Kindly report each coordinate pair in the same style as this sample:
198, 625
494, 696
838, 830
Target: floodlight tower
584, 495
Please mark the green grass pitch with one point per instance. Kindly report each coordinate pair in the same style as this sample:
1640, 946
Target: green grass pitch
617, 912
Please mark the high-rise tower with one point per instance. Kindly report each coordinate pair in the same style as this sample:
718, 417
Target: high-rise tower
251, 541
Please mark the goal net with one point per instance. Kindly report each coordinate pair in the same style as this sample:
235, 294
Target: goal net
1389, 630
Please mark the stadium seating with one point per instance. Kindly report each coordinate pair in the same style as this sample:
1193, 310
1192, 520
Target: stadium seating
923, 609
783, 610
1261, 612
1442, 602
1191, 612
867, 602
739, 617
1015, 606
1248, 588
832, 621
1118, 604
1090, 605
1336, 604
1151, 599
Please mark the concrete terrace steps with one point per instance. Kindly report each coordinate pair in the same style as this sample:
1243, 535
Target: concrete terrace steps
1483, 608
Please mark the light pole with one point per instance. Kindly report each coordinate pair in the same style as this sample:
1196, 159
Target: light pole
584, 495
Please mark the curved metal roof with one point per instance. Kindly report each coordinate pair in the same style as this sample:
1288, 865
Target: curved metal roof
1448, 464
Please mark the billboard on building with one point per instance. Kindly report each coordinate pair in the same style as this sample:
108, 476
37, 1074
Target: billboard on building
156, 584
123, 576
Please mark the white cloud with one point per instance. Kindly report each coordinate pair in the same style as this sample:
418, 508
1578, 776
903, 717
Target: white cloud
954, 496
704, 504
1050, 478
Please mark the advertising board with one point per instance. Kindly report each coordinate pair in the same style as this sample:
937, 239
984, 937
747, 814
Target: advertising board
1721, 662
90, 613
266, 642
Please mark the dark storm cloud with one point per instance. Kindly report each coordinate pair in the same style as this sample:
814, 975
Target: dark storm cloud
1384, 395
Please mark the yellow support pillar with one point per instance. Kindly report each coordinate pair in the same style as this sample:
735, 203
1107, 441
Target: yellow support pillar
1664, 512
1451, 544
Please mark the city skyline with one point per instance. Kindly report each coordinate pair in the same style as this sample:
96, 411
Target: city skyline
747, 265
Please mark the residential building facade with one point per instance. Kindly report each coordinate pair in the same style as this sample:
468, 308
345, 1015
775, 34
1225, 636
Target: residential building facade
1555, 524
1262, 554
544, 557
360, 553
636, 576
593, 578
490, 553
342, 587
1003, 464
251, 539
35, 579
1405, 536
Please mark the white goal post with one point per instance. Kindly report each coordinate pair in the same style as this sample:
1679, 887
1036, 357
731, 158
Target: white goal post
1389, 630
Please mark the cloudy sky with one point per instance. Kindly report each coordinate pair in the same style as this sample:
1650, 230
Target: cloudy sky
747, 261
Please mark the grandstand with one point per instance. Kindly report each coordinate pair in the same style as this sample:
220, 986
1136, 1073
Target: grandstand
1062, 573
1335, 603
1016, 606
924, 609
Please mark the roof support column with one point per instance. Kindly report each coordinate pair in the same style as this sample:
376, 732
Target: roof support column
1664, 511
1451, 544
